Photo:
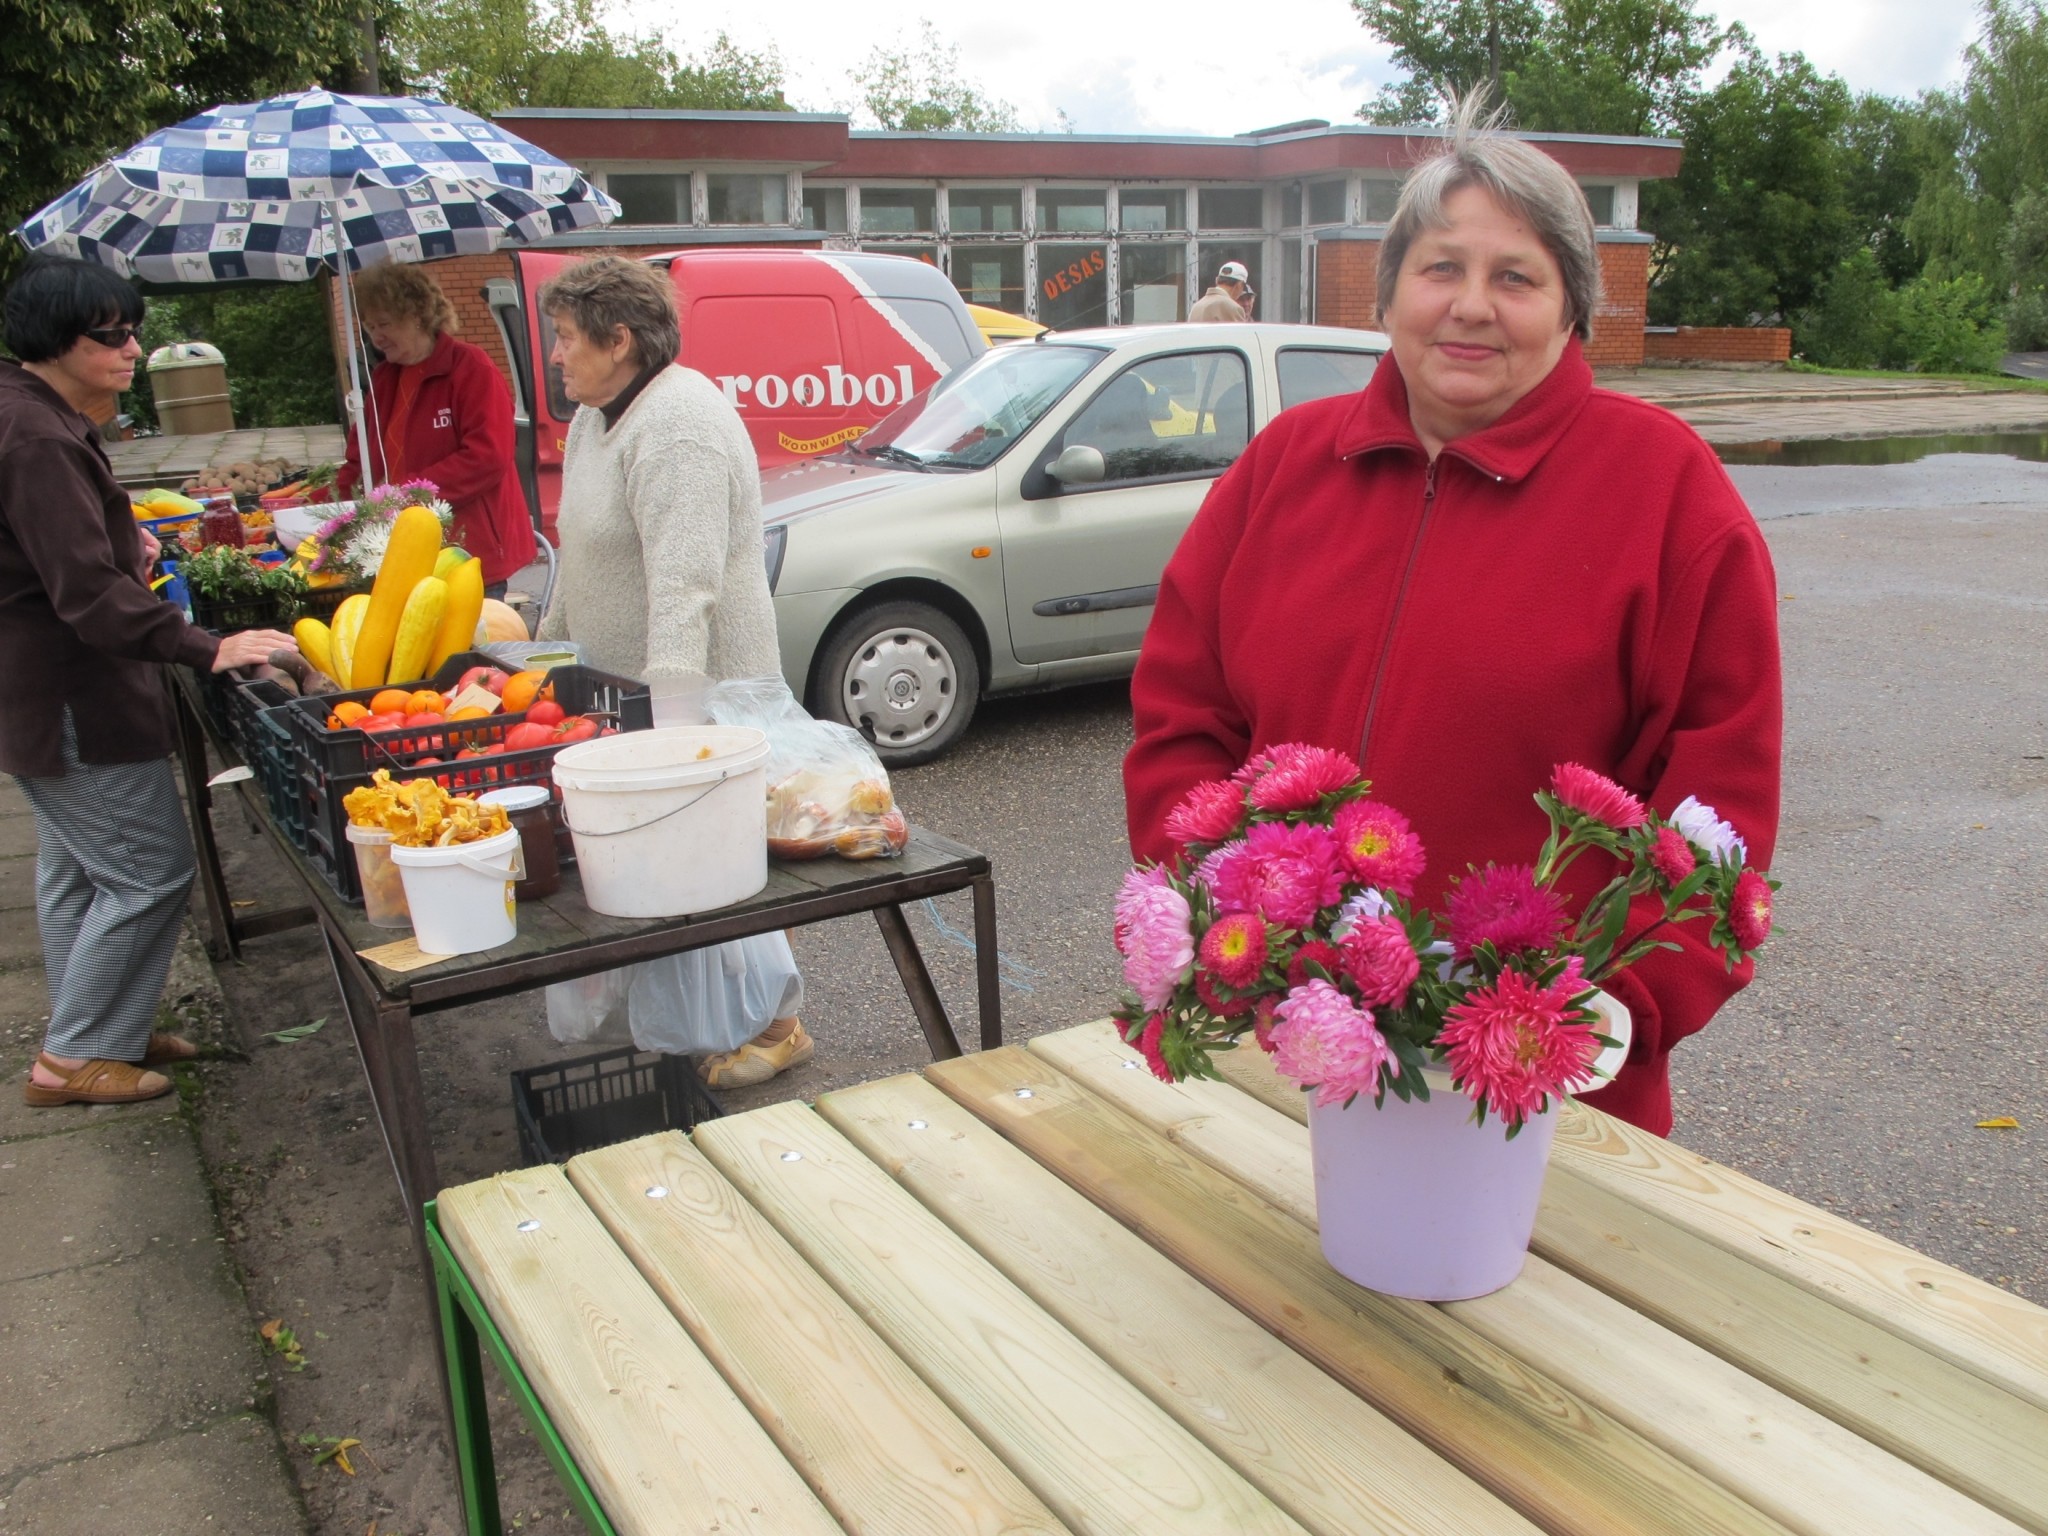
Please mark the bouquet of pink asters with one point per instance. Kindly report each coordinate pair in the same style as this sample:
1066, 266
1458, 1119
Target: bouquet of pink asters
1288, 912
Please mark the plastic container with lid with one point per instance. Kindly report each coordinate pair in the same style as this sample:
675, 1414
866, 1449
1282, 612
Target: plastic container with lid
383, 886
527, 806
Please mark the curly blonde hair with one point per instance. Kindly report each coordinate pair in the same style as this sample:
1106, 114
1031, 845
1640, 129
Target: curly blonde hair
406, 293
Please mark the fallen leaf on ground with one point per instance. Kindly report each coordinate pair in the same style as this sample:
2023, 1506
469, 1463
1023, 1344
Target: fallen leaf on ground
241, 903
1998, 1123
335, 1448
279, 1336
296, 1032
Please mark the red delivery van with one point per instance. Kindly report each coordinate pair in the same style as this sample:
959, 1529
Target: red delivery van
811, 347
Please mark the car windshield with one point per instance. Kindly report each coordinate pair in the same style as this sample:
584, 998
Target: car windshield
970, 418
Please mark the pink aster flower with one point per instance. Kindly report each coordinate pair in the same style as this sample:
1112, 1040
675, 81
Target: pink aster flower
1213, 1000
1148, 1047
1672, 856
1286, 874
1749, 913
1214, 861
1516, 1043
1234, 949
1504, 906
1378, 845
1135, 882
1596, 795
1300, 776
1381, 962
1322, 954
1153, 933
1208, 813
1322, 1038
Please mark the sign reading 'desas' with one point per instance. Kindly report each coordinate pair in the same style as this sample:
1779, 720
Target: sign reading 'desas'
1074, 274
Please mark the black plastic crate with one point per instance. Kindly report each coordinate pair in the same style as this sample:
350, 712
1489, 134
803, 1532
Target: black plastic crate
575, 1106
277, 770
246, 699
266, 612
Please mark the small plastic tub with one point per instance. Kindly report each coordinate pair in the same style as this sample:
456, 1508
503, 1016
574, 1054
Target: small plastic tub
527, 806
461, 895
383, 886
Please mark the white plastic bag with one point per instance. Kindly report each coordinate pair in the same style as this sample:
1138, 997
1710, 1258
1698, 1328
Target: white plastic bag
589, 1006
714, 999
827, 791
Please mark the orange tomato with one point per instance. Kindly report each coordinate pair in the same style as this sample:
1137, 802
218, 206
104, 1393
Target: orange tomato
391, 701
347, 712
472, 712
522, 688
425, 701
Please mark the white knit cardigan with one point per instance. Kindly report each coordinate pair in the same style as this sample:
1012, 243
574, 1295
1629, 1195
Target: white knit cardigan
660, 527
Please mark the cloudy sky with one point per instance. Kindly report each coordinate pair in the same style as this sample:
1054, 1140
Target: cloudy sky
1220, 67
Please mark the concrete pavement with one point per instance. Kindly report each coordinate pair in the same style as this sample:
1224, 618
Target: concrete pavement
137, 1397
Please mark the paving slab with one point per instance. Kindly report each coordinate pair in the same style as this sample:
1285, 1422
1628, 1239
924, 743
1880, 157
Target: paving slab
147, 461
225, 1477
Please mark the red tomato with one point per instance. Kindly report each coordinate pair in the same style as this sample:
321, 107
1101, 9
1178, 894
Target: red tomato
575, 728
492, 678
525, 736
425, 717
381, 723
546, 712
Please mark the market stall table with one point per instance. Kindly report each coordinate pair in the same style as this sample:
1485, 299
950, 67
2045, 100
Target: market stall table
1038, 1290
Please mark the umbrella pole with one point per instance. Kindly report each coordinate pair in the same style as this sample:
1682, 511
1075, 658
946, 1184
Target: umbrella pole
349, 340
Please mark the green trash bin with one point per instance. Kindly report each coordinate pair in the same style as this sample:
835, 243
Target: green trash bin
190, 382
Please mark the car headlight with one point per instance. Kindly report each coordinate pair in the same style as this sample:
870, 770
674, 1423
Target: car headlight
773, 539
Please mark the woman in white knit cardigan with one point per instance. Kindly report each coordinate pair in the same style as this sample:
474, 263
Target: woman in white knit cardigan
662, 575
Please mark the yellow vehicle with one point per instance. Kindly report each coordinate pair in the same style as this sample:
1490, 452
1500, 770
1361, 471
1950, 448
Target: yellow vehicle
997, 326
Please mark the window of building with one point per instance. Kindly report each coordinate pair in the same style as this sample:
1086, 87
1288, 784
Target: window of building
651, 199
898, 210
1232, 208
1073, 285
1601, 200
1168, 417
985, 211
991, 275
1381, 194
746, 199
1314, 373
824, 209
1153, 275
1216, 252
1072, 210
1326, 202
1290, 283
1144, 210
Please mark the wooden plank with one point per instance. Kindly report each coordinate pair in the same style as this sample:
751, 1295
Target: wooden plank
1087, 1442
656, 1432
1778, 1455
1562, 1461
1314, 1448
1999, 1336
872, 1440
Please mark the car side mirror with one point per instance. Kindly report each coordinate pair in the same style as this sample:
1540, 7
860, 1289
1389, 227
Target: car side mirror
1078, 464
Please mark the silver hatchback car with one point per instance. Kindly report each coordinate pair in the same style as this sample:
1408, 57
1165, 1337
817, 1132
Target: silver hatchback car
1006, 530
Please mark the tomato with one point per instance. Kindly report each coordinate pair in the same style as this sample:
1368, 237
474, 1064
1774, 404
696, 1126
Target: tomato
493, 679
526, 735
381, 723
546, 712
575, 728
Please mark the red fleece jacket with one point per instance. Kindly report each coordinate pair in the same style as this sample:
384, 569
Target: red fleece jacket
458, 433
1579, 582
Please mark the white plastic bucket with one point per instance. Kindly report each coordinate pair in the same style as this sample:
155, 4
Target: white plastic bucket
461, 895
669, 821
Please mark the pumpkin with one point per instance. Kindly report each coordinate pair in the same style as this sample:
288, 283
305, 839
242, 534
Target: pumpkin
501, 621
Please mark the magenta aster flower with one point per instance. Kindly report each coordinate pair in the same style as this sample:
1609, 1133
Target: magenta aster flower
1213, 1000
1234, 949
1515, 1044
1208, 813
1321, 1038
1381, 962
1300, 776
1262, 1021
1153, 932
1148, 1047
1749, 913
1596, 795
1672, 856
1378, 845
1324, 955
1286, 874
1504, 906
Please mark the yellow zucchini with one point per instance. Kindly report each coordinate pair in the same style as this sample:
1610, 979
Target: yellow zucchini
316, 644
348, 623
408, 556
418, 628
465, 606
450, 557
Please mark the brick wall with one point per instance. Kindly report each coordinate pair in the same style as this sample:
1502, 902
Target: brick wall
1624, 300
1346, 274
1719, 344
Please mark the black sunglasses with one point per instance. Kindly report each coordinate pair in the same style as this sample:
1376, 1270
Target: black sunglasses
115, 336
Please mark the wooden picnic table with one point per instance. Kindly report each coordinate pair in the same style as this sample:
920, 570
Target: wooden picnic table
1035, 1289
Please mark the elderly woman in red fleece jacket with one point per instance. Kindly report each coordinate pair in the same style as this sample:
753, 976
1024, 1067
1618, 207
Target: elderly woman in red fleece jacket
1477, 568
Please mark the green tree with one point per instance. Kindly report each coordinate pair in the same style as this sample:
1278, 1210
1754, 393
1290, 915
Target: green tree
1448, 48
275, 339
921, 89
1853, 324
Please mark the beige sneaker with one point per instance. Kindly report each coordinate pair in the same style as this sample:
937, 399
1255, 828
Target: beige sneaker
755, 1063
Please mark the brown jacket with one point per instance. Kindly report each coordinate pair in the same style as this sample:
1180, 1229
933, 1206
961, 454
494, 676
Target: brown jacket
1216, 305
79, 626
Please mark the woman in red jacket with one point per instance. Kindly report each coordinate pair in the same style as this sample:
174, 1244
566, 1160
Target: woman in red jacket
440, 411
1479, 567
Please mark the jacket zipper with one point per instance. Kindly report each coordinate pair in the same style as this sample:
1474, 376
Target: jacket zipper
1379, 675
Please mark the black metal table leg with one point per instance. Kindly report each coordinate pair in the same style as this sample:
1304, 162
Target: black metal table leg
925, 1001
213, 885
988, 981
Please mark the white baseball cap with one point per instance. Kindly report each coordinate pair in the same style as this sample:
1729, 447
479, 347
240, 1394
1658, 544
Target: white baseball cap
1232, 272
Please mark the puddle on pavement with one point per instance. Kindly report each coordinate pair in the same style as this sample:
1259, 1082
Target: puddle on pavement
2031, 446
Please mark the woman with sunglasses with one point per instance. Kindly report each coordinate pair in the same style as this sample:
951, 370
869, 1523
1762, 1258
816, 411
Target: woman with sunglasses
85, 720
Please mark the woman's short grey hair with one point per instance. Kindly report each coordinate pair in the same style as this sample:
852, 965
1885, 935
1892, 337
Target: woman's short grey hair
604, 292
1523, 180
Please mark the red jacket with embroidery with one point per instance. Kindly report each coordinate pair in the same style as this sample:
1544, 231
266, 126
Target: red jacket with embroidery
1579, 582
458, 434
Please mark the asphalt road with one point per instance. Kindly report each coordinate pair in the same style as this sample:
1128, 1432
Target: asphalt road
1902, 1000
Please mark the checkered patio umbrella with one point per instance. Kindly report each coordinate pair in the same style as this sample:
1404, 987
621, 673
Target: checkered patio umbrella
285, 188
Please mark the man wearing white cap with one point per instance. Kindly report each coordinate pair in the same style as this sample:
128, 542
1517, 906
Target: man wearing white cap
1229, 299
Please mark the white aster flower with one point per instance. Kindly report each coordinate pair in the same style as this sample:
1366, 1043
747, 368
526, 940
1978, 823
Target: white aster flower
1703, 827
1365, 907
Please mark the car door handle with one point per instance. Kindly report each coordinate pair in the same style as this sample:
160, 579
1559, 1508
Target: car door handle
1097, 602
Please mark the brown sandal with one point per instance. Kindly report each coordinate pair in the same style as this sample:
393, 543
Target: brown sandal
166, 1050
97, 1082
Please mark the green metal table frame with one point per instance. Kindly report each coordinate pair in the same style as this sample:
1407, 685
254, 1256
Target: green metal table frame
466, 1329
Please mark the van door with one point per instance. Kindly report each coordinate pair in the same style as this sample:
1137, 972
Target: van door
501, 297
547, 404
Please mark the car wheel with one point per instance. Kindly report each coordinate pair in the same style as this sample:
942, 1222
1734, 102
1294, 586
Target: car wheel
902, 674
